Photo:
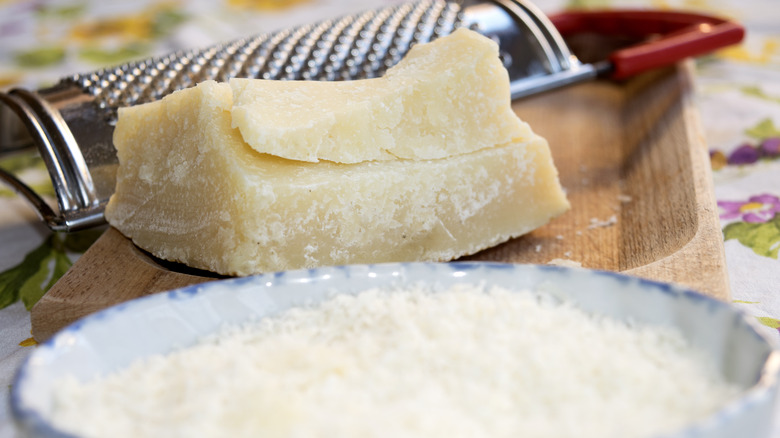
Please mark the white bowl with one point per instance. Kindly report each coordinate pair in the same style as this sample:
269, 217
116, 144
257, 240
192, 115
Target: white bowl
111, 339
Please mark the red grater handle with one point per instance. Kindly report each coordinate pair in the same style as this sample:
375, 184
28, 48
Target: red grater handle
668, 36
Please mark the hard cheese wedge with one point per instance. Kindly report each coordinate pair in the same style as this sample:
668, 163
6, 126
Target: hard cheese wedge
190, 189
399, 115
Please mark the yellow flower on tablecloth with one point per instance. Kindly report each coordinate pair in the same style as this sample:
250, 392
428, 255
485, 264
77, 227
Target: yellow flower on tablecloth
696, 4
144, 25
29, 342
6, 80
718, 160
660, 4
267, 5
769, 50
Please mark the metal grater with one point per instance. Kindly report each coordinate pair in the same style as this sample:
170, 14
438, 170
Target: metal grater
72, 123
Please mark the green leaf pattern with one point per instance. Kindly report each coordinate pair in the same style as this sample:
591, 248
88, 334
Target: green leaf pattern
764, 129
29, 167
769, 322
42, 267
40, 57
763, 237
28, 280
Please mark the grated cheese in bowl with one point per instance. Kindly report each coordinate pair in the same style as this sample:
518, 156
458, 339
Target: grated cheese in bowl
462, 362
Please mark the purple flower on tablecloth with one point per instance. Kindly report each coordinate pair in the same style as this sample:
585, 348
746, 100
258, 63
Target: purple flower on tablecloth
744, 154
766, 147
771, 147
7, 29
758, 208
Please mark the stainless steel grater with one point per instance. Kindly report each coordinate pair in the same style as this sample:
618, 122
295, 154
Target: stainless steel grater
72, 123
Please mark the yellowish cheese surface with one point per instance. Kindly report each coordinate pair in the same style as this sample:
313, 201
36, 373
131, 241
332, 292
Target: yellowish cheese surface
191, 189
415, 111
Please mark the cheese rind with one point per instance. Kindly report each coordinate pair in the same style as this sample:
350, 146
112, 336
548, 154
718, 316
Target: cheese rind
448, 97
190, 189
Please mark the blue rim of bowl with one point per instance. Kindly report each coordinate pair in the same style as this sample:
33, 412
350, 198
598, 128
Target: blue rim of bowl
766, 384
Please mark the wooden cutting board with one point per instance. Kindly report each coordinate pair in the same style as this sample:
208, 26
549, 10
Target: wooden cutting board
630, 155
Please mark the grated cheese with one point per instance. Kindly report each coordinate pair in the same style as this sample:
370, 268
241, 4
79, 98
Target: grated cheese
459, 363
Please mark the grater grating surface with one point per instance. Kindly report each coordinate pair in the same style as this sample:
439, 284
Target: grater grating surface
351, 47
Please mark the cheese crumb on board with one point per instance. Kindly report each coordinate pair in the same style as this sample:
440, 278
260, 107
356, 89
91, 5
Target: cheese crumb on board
462, 362
191, 189
597, 223
565, 262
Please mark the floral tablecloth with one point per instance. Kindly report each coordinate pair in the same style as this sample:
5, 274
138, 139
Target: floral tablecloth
738, 93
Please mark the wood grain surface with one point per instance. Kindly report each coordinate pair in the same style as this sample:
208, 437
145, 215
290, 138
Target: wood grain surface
630, 155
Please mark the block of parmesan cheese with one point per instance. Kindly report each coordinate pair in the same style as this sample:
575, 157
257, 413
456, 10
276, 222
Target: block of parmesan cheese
191, 189
416, 110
